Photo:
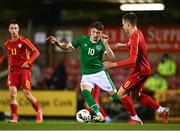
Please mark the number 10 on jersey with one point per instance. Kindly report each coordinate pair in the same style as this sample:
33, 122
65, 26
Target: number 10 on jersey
91, 51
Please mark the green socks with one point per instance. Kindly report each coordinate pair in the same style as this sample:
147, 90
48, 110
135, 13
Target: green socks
89, 99
115, 98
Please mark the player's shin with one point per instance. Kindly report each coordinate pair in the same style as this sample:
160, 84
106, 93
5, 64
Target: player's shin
36, 106
148, 101
90, 101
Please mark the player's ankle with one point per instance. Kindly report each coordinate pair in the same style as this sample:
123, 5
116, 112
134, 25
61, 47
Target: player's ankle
160, 109
135, 118
98, 114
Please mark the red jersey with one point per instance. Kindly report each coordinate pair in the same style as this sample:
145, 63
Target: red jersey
20, 51
138, 54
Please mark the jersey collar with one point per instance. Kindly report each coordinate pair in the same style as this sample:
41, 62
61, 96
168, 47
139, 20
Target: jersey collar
93, 41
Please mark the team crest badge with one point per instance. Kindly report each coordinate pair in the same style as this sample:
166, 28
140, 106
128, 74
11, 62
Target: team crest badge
85, 45
19, 45
98, 47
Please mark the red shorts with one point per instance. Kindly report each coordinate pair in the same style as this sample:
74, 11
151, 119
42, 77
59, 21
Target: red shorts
135, 82
20, 78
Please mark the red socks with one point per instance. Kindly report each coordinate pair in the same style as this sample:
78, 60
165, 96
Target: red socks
13, 108
148, 101
103, 112
144, 99
128, 104
36, 106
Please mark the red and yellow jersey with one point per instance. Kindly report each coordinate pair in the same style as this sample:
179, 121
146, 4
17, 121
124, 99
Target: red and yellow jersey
20, 51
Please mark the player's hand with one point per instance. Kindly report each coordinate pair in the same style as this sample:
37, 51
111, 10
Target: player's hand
120, 45
52, 39
25, 65
104, 38
109, 64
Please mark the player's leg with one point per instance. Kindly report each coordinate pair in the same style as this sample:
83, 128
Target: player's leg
128, 105
86, 93
35, 105
12, 83
26, 88
96, 95
105, 83
146, 100
13, 105
86, 87
130, 84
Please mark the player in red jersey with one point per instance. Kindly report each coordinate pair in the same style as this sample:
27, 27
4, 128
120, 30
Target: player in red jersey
21, 54
140, 71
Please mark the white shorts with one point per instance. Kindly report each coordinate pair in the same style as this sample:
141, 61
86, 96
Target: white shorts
100, 79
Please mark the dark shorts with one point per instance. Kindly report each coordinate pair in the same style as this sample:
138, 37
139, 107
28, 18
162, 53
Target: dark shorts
20, 78
135, 82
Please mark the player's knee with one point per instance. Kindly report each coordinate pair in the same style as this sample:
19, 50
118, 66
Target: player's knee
13, 94
121, 95
86, 87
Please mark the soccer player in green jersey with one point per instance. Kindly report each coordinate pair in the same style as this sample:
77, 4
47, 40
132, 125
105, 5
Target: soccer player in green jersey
92, 48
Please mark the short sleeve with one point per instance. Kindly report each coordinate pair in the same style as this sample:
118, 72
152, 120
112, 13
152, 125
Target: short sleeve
76, 42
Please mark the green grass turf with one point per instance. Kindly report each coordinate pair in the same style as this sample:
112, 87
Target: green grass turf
59, 125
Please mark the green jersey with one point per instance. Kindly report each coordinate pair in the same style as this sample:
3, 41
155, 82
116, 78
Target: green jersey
91, 54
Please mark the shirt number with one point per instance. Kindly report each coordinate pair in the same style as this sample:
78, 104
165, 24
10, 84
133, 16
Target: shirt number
91, 51
127, 84
13, 51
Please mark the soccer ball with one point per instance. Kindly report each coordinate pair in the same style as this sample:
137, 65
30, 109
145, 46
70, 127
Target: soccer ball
83, 116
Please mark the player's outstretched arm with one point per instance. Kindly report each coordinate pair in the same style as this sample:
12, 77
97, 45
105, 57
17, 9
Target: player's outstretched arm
53, 40
121, 45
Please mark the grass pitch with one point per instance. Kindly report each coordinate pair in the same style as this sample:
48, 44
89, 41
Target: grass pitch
59, 125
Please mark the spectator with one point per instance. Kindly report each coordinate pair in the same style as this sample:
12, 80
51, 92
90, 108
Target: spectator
156, 83
60, 76
46, 80
36, 73
167, 66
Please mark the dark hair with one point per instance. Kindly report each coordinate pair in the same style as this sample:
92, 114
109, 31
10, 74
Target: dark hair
98, 25
13, 22
131, 17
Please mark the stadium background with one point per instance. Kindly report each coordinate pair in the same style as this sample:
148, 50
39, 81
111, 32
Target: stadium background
57, 74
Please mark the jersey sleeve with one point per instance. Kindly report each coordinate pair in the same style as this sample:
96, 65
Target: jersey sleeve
76, 42
134, 44
6, 43
133, 51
